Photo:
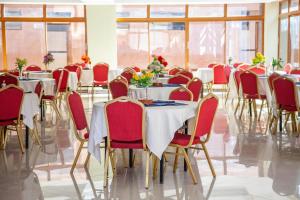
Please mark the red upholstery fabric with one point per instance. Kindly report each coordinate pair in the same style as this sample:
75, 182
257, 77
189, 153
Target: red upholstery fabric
86, 136
61, 77
174, 71
77, 110
211, 65
118, 88
219, 75
136, 69
237, 80
38, 89
10, 104
183, 139
181, 94
8, 79
295, 71
100, 83
186, 73
125, 122
127, 145
100, 73
235, 65
14, 72
287, 68
257, 70
179, 79
284, 90
33, 68
128, 75
195, 86
48, 97
74, 68
249, 85
243, 67
227, 70
271, 78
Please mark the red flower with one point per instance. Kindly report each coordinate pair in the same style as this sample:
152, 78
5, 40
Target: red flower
165, 63
160, 59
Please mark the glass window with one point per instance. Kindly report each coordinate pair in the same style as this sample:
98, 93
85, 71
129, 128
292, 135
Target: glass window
168, 40
206, 10
206, 43
169, 11
294, 5
284, 7
294, 38
283, 45
244, 39
25, 40
18, 10
65, 11
66, 41
130, 11
244, 9
132, 41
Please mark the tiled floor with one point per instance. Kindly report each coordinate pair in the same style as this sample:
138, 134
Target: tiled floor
249, 162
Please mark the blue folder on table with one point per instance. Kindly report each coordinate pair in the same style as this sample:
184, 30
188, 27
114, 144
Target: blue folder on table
164, 103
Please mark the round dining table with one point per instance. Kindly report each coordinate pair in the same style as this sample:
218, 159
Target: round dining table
29, 84
155, 93
205, 74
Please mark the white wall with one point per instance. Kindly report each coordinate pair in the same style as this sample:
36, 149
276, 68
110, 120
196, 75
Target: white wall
271, 31
101, 34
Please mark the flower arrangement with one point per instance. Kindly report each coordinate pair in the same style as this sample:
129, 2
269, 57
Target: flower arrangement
142, 80
20, 63
158, 64
258, 59
277, 63
48, 58
86, 59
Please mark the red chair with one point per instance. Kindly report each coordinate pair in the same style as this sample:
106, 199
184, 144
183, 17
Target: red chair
257, 70
11, 100
243, 67
186, 73
181, 94
8, 79
200, 136
249, 83
125, 119
118, 88
74, 68
136, 69
235, 65
128, 74
81, 129
219, 75
100, 71
271, 78
287, 68
211, 65
286, 99
14, 72
195, 86
227, 71
174, 71
33, 68
39, 90
179, 79
295, 70
237, 81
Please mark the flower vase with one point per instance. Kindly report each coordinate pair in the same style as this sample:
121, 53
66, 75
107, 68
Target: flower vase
20, 73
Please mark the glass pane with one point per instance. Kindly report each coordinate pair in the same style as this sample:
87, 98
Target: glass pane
283, 39
132, 41
206, 43
17, 10
294, 5
131, 11
216, 10
65, 11
168, 40
244, 9
66, 41
294, 37
159, 11
244, 39
25, 40
284, 7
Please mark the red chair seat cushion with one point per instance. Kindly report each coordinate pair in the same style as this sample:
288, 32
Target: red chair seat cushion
248, 96
8, 122
291, 108
183, 139
100, 83
127, 145
48, 97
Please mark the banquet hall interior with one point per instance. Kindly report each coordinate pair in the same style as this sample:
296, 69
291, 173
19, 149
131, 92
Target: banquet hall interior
149, 99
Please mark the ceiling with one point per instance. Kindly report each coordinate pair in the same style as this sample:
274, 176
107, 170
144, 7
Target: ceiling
99, 2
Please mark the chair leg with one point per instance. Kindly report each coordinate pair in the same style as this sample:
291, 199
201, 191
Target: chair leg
76, 157
254, 108
261, 107
237, 106
154, 170
294, 122
175, 160
208, 160
106, 163
87, 160
20, 136
227, 94
147, 170
188, 162
35, 132
287, 119
243, 105
124, 158
54, 106
113, 164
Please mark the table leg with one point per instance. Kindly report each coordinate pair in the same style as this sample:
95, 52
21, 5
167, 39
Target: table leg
130, 158
161, 170
26, 137
186, 129
280, 121
42, 111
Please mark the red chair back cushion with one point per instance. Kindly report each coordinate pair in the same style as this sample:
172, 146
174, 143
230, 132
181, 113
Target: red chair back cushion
8, 79
235, 65
219, 74
128, 75
284, 90
38, 89
125, 121
195, 86
295, 71
33, 68
243, 67
61, 77
179, 79
101, 72
174, 71
271, 78
77, 111
181, 94
74, 68
186, 73
257, 70
118, 88
211, 65
10, 103
249, 83
237, 79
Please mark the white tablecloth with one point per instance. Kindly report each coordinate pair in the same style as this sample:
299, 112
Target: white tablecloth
30, 108
87, 76
155, 93
206, 75
39, 74
161, 124
29, 85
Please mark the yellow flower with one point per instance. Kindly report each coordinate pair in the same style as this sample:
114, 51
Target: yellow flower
135, 77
